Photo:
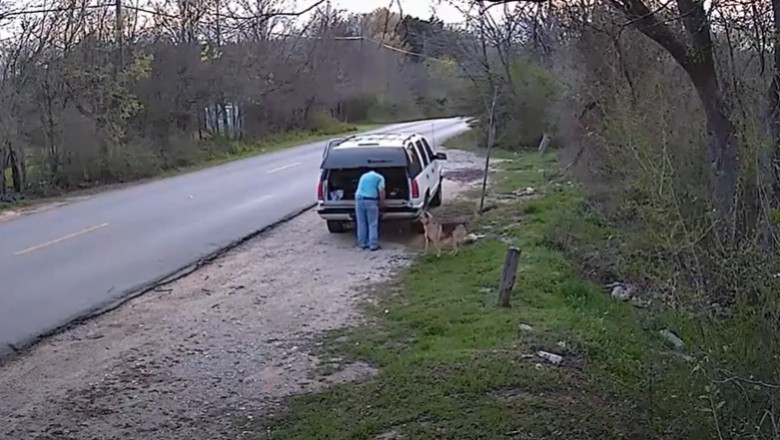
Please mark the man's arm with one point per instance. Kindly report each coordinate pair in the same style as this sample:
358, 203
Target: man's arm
380, 188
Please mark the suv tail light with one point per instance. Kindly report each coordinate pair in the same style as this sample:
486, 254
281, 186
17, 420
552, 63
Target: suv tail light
319, 191
415, 189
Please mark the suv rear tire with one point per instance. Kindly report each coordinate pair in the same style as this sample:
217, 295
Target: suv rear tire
336, 227
436, 200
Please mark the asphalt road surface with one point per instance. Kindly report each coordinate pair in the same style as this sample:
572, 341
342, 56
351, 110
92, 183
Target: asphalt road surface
59, 264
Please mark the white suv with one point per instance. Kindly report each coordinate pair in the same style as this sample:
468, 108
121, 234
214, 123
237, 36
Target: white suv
412, 172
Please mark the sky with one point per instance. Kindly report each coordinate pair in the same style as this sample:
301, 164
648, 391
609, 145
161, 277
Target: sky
418, 8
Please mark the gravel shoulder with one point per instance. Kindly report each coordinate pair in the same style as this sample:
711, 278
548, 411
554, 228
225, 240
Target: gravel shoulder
229, 341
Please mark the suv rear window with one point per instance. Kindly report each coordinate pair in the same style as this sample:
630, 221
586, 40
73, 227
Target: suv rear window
361, 157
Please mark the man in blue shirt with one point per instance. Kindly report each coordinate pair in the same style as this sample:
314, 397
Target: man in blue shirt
370, 195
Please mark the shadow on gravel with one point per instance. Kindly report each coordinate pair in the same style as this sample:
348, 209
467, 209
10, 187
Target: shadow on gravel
395, 233
410, 235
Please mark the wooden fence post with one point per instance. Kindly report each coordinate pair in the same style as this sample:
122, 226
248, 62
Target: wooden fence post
508, 275
545, 142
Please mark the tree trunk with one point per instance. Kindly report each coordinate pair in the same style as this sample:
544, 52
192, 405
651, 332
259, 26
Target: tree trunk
225, 122
769, 159
722, 148
696, 58
722, 152
3, 164
17, 173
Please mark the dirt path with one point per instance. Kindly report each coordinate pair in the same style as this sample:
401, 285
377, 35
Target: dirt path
194, 358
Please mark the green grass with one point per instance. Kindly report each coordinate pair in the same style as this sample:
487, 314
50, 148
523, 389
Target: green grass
452, 365
468, 141
276, 142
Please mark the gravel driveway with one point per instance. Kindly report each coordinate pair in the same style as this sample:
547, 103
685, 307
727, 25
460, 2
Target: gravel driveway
229, 341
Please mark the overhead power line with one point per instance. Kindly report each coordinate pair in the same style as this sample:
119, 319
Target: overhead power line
377, 42
259, 16
263, 16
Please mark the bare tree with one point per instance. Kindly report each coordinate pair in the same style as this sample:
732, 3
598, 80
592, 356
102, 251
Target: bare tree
693, 51
668, 110
95, 94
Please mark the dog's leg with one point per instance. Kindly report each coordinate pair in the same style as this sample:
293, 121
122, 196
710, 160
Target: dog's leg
426, 243
438, 244
454, 246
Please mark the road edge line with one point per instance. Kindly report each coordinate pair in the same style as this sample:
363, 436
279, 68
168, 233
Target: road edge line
15, 351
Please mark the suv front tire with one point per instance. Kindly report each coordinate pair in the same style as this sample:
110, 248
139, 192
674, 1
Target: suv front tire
436, 200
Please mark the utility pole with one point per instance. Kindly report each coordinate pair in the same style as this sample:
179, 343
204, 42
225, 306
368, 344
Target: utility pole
491, 139
228, 122
119, 29
219, 29
328, 16
362, 54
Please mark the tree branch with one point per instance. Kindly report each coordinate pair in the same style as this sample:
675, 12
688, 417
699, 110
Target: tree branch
646, 22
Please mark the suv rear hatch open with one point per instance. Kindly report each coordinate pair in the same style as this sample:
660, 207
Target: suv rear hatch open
342, 168
342, 183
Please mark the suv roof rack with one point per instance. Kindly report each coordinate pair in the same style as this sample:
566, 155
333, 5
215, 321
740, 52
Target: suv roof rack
333, 143
348, 138
375, 137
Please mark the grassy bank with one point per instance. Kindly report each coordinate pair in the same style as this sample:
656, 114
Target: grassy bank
241, 150
203, 155
453, 365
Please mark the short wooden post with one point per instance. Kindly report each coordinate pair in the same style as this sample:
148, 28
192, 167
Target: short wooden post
544, 144
508, 275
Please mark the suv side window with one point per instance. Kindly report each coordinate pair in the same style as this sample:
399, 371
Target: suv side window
415, 167
428, 150
421, 150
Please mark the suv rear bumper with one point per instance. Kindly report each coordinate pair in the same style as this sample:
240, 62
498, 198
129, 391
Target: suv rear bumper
389, 213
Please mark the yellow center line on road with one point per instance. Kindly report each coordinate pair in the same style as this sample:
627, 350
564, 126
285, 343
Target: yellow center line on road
61, 239
284, 167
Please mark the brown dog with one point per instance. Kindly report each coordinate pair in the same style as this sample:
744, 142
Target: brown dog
436, 232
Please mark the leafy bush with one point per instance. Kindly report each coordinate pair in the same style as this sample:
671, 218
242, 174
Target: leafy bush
321, 122
526, 102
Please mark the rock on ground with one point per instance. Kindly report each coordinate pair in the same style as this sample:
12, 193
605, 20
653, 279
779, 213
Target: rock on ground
227, 342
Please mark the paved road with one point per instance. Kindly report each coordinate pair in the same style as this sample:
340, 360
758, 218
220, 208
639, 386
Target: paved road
58, 264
